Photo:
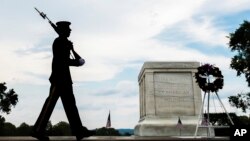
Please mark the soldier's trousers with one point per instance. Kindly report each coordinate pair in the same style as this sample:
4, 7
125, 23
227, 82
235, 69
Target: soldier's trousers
65, 92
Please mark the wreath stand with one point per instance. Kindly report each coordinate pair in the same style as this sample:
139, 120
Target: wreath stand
201, 117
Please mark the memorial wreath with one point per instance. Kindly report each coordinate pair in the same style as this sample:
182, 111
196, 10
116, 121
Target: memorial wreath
204, 75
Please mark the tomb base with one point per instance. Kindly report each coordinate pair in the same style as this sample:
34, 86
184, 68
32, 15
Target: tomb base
168, 127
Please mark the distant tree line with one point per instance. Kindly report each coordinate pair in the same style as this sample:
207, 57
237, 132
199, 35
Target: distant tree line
62, 128
221, 119
8, 129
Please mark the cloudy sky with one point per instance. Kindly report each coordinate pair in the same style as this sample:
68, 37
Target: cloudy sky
115, 37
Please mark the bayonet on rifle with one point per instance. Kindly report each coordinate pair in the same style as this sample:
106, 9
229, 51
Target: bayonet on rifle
44, 16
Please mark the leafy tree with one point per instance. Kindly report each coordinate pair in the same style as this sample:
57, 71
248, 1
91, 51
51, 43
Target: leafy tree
221, 119
244, 120
7, 99
240, 101
61, 129
2, 120
9, 129
240, 42
23, 130
49, 128
107, 132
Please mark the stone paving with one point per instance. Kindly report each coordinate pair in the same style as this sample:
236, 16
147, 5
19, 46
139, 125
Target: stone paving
117, 138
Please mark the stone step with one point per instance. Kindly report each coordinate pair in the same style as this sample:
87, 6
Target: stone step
116, 138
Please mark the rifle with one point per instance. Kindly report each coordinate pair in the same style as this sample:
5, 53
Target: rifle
44, 16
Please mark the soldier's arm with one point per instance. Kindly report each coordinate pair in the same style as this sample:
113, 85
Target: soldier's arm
78, 61
77, 57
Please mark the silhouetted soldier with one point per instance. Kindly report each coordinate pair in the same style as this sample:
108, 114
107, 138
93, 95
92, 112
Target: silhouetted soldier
61, 86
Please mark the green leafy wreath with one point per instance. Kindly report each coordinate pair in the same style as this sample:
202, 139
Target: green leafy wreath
203, 78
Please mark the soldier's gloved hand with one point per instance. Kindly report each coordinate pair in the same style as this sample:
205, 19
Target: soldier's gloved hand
81, 61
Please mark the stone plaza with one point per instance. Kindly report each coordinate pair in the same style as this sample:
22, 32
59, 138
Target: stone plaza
114, 138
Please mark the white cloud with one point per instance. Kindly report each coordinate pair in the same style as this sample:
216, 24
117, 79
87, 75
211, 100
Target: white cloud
223, 7
124, 36
205, 32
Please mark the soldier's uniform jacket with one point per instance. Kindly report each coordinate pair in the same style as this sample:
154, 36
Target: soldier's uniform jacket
61, 62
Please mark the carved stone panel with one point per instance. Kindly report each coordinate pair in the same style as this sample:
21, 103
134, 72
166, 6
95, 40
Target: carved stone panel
174, 93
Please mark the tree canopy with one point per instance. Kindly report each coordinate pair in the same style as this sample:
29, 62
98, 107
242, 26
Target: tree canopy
240, 43
7, 98
62, 128
241, 101
107, 132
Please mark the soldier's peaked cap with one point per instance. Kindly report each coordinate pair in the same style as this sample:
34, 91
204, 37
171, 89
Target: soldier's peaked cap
63, 24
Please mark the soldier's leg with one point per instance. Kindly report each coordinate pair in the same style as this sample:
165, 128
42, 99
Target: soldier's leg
71, 110
41, 123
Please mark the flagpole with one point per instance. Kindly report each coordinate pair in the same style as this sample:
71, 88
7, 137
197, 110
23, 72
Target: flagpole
179, 125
